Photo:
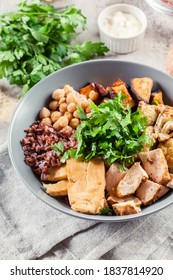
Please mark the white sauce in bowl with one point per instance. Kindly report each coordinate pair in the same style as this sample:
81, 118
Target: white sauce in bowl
122, 25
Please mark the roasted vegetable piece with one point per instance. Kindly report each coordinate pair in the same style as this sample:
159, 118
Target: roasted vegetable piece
118, 86
141, 88
102, 91
57, 189
157, 97
86, 90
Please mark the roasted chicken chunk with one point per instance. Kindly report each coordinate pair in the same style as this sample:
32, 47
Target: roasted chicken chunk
131, 181
149, 191
155, 164
113, 176
126, 208
114, 200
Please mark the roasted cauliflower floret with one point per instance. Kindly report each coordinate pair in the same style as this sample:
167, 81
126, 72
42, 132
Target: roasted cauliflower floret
167, 148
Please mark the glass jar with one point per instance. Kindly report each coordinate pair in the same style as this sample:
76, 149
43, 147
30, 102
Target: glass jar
163, 6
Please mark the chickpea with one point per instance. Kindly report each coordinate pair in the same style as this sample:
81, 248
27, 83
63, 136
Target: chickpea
63, 107
56, 125
62, 100
67, 89
67, 130
47, 121
58, 94
75, 115
93, 95
63, 121
44, 113
84, 104
71, 107
68, 115
72, 98
88, 109
74, 122
55, 116
53, 105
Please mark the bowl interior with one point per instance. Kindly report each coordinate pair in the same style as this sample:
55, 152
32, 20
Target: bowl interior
100, 71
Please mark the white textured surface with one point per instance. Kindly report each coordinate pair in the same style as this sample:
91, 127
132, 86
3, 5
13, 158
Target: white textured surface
30, 229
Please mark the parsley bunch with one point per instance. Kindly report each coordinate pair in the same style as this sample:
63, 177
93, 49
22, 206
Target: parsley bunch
37, 39
113, 132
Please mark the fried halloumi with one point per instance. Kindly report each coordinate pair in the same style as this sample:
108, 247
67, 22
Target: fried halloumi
86, 185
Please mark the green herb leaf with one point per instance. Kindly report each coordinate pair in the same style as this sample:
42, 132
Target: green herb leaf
38, 40
58, 147
105, 211
112, 132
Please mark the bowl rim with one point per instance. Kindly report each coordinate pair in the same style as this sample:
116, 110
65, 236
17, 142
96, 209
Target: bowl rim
69, 211
108, 10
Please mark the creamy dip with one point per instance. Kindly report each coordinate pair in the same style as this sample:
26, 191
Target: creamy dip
122, 25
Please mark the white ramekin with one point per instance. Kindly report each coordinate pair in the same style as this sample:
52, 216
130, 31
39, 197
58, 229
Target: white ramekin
122, 45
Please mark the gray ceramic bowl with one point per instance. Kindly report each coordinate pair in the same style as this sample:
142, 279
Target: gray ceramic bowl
100, 71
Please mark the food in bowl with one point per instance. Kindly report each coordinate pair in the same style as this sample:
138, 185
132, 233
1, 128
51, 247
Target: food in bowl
107, 149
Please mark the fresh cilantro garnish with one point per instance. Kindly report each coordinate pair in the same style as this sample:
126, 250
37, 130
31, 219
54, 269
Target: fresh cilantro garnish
58, 147
113, 132
37, 39
105, 211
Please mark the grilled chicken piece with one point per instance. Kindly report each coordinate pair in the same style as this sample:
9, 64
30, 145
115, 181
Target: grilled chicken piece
113, 176
131, 181
155, 164
167, 148
163, 191
126, 208
56, 173
149, 111
170, 183
86, 185
56, 189
114, 200
149, 192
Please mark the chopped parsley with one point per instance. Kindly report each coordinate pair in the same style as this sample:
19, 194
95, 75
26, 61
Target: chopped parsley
113, 132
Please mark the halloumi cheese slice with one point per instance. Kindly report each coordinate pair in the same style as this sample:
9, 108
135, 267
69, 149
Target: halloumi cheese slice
86, 185
57, 189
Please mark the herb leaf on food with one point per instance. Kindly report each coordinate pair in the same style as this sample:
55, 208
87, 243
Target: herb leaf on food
113, 132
